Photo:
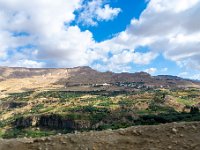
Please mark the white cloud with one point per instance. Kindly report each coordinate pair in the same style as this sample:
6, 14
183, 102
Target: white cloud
46, 24
126, 57
183, 74
170, 28
96, 10
107, 13
166, 5
144, 58
123, 61
151, 70
164, 69
188, 75
113, 67
44, 17
196, 77
23, 63
70, 47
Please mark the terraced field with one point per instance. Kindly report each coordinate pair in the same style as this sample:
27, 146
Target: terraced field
44, 113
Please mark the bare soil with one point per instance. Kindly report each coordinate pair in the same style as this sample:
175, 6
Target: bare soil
173, 136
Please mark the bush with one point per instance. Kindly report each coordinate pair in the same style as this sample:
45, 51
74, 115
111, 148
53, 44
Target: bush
159, 97
194, 110
160, 108
125, 102
88, 109
58, 94
18, 133
166, 118
37, 108
106, 103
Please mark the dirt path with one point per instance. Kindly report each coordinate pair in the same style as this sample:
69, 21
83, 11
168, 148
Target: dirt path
174, 136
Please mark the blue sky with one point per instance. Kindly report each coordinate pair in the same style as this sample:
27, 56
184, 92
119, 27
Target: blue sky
106, 29
156, 36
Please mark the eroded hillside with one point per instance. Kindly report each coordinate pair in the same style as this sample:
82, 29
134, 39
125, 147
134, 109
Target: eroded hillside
82, 78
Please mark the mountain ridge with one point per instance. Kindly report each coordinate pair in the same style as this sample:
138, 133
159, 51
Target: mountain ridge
14, 79
84, 68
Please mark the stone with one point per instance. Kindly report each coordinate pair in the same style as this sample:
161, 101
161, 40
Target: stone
169, 147
39, 148
174, 130
48, 139
59, 134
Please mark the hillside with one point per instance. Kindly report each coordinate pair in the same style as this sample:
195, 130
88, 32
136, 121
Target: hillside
45, 102
23, 79
174, 136
43, 113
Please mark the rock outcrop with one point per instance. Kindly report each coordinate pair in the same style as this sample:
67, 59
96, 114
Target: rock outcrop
11, 105
52, 122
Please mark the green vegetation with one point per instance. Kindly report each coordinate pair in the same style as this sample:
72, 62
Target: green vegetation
158, 108
36, 109
58, 94
19, 133
96, 110
125, 103
114, 126
159, 96
187, 102
167, 118
21, 95
106, 103
24, 96
88, 109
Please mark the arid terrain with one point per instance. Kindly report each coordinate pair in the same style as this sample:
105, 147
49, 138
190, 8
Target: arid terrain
97, 110
173, 136
80, 78
99, 74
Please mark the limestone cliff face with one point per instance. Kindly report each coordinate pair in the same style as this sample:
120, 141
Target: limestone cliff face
52, 122
58, 122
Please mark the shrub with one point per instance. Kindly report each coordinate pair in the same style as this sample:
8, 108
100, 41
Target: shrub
37, 108
194, 110
106, 103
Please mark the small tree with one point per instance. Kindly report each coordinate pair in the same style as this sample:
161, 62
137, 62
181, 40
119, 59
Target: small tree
194, 110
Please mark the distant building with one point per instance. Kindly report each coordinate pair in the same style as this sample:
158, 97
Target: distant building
106, 84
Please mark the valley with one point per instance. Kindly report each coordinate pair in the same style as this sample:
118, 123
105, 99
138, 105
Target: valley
82, 99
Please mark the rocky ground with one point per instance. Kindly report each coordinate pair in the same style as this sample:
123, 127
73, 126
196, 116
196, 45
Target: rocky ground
173, 136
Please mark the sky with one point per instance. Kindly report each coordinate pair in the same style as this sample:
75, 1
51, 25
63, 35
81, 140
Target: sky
155, 36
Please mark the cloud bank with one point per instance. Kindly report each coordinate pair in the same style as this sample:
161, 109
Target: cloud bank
40, 33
